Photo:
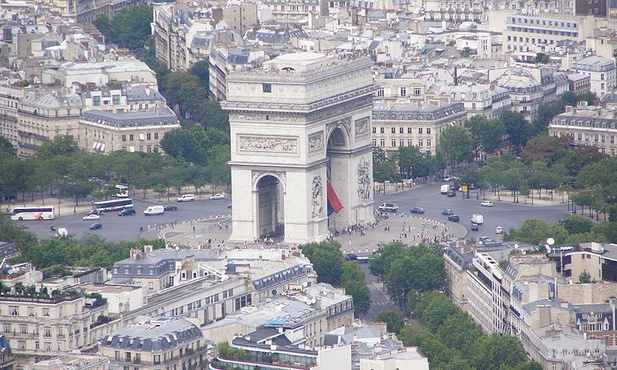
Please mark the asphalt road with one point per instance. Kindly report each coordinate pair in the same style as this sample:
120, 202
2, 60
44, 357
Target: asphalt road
504, 213
116, 228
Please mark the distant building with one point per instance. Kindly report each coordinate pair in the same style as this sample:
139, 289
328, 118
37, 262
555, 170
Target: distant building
156, 343
579, 83
414, 124
587, 125
601, 72
73, 361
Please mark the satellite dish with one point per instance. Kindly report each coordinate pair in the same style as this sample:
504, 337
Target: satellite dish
550, 241
515, 246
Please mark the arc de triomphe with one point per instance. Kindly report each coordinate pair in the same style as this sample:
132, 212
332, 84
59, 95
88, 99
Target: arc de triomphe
301, 147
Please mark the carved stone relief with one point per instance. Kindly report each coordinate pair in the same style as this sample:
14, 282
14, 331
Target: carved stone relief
259, 117
317, 197
345, 107
316, 142
364, 179
271, 144
361, 126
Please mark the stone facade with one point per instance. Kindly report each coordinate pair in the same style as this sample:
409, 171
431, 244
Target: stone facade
313, 112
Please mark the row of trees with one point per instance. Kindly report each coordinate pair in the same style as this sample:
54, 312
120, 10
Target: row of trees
60, 168
575, 229
415, 277
331, 267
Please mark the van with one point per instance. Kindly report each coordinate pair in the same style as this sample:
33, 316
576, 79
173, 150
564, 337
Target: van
477, 218
187, 198
62, 232
445, 188
154, 210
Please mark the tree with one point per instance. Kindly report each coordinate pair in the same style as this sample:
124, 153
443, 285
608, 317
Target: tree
517, 128
327, 260
496, 352
201, 69
584, 277
544, 148
577, 224
394, 321
385, 167
129, 28
487, 134
456, 144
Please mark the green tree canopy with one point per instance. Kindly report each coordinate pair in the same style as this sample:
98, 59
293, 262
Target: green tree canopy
456, 144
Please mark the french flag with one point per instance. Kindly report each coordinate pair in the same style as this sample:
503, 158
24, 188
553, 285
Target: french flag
334, 205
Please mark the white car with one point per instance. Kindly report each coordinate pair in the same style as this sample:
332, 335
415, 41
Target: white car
486, 203
92, 217
217, 196
499, 230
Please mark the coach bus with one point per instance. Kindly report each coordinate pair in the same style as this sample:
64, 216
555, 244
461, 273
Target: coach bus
33, 213
113, 205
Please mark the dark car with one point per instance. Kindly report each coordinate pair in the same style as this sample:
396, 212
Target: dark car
453, 218
95, 226
447, 212
170, 207
474, 227
96, 212
418, 210
127, 212
351, 257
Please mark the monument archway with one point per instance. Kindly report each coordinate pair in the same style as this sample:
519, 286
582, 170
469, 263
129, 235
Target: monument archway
301, 150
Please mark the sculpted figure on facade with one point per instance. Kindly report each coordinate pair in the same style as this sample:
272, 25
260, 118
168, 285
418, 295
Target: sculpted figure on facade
317, 198
364, 179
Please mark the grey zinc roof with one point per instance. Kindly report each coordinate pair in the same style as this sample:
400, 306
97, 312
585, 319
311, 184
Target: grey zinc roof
52, 99
143, 93
154, 117
155, 334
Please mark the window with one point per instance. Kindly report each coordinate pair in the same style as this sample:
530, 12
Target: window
151, 285
409, 142
374, 129
156, 136
148, 136
409, 130
428, 130
47, 331
131, 137
96, 101
403, 91
30, 311
123, 137
23, 328
117, 355
401, 142
46, 311
401, 130
382, 130
420, 142
420, 130
428, 142
7, 327
393, 143
417, 91
14, 310
267, 88
380, 92
393, 130
116, 99
382, 142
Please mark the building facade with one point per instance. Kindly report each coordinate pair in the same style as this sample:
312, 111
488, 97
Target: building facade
601, 72
411, 124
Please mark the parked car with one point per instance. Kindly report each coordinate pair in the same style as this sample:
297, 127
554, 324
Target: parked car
170, 207
475, 227
447, 179
418, 210
388, 207
486, 203
92, 217
499, 230
218, 196
95, 226
127, 212
453, 218
447, 212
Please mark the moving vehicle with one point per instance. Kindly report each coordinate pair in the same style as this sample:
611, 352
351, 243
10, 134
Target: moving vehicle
95, 212
477, 218
447, 212
91, 217
113, 205
475, 227
418, 210
32, 213
170, 207
127, 212
487, 242
62, 232
388, 207
95, 226
218, 196
187, 198
445, 188
154, 210
122, 191
499, 230
453, 218
486, 203
451, 192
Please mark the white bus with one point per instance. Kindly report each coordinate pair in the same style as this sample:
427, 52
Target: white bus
113, 205
33, 213
122, 191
